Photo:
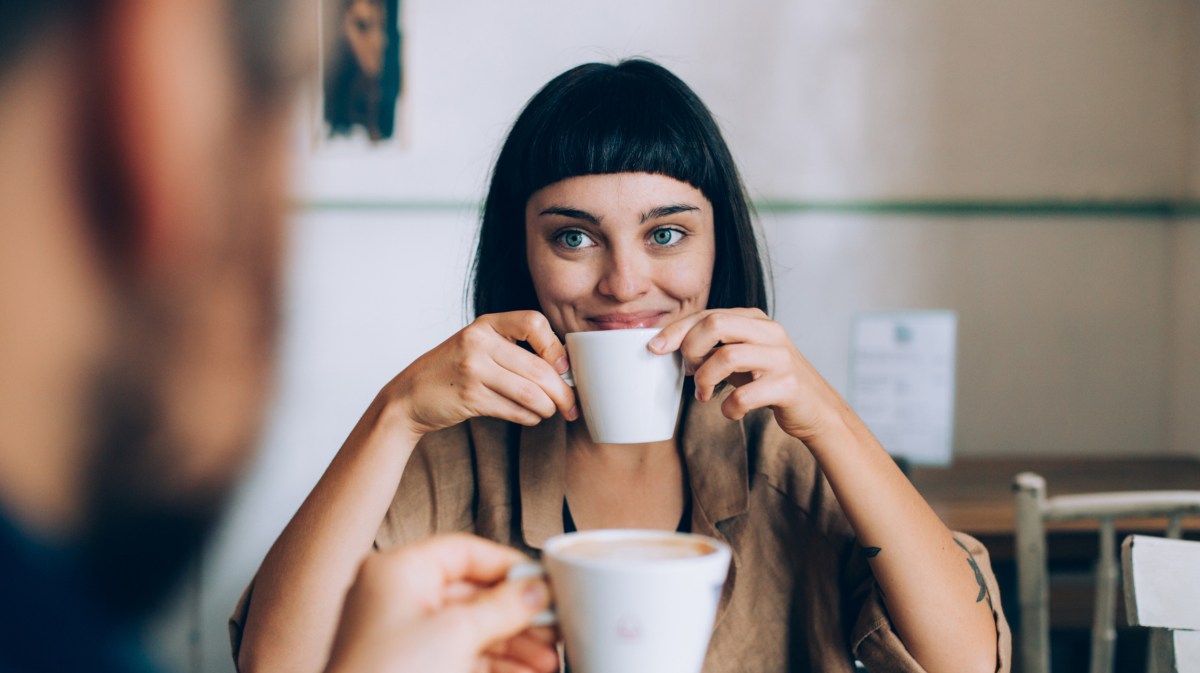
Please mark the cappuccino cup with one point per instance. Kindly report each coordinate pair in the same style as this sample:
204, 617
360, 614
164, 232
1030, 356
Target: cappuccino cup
628, 395
633, 601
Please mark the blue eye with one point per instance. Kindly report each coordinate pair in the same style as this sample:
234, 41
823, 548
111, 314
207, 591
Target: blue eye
667, 236
575, 239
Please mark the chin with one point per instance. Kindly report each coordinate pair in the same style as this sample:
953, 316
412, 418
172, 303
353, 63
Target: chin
144, 528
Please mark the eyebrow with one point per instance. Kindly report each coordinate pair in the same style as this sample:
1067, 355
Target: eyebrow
652, 214
665, 211
573, 213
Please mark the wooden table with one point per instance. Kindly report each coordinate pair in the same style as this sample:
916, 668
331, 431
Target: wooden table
976, 497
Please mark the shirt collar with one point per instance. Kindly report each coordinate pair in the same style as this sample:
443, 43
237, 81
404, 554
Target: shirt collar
714, 451
542, 475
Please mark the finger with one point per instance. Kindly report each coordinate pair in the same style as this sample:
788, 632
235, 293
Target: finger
522, 391
757, 395
546, 634
535, 635
458, 558
721, 328
460, 592
529, 366
527, 649
729, 326
497, 405
498, 613
533, 328
501, 665
671, 336
533, 652
729, 360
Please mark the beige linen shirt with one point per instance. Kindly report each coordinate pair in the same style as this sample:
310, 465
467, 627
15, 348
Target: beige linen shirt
800, 595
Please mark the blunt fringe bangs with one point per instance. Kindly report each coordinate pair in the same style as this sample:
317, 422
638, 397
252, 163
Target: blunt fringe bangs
632, 117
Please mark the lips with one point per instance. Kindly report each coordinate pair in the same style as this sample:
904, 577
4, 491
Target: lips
626, 320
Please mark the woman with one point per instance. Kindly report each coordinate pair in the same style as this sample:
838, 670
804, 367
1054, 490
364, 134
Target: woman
615, 203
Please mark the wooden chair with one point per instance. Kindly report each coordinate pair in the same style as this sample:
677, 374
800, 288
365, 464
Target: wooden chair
1033, 511
1162, 591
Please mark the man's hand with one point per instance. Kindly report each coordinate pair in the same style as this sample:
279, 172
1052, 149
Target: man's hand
443, 605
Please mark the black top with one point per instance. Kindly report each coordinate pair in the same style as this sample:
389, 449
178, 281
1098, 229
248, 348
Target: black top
685, 520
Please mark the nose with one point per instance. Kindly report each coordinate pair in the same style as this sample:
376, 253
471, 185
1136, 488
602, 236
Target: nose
626, 276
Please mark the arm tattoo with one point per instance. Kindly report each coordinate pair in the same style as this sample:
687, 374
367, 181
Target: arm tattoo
983, 592
871, 552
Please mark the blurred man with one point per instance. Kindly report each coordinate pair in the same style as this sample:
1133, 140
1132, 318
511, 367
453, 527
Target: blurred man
141, 209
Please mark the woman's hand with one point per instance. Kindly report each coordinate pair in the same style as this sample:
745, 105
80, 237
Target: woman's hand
482, 371
747, 349
443, 605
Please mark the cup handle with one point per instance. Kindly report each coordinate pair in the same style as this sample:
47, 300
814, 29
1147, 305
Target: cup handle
529, 569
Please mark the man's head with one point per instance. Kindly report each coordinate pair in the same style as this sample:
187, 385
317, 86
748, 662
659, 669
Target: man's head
141, 207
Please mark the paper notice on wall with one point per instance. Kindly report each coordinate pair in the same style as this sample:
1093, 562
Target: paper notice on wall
902, 381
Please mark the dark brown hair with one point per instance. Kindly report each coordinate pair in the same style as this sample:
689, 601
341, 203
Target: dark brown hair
635, 116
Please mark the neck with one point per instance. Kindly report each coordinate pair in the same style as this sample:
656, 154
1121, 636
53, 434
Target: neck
632, 457
624, 485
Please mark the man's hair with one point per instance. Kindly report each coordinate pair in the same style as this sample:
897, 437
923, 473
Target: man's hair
263, 73
23, 23
594, 119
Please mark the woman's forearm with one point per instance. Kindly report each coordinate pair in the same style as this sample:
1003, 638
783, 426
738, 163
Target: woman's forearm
934, 592
298, 594
299, 589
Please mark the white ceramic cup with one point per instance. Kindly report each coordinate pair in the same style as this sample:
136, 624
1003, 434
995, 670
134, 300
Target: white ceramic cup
621, 610
628, 395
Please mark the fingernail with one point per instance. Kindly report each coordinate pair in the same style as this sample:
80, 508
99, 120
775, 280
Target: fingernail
657, 343
573, 414
535, 594
698, 398
562, 365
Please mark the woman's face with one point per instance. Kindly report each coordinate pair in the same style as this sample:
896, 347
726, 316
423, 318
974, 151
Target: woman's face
363, 25
619, 250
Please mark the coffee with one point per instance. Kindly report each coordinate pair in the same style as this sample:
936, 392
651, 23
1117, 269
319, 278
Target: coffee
635, 549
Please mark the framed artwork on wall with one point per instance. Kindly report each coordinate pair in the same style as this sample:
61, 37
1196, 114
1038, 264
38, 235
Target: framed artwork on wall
362, 74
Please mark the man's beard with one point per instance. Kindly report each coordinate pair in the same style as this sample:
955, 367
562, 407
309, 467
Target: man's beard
142, 529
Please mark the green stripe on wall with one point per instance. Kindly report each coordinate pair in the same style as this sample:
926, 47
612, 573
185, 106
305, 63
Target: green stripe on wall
994, 208
386, 206
1149, 209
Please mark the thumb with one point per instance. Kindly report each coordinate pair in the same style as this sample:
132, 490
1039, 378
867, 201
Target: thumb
501, 612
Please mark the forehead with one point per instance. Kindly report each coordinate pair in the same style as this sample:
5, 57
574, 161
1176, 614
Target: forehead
617, 194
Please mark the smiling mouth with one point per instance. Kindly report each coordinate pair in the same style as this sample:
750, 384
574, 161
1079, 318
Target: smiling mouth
626, 320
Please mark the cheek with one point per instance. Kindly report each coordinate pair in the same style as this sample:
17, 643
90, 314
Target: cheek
690, 284
558, 281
